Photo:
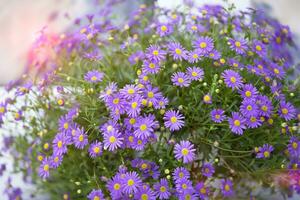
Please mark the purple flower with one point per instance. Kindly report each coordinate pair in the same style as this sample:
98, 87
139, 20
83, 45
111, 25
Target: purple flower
194, 56
249, 108
232, 79
136, 57
2, 108
217, 115
207, 99
208, 170
96, 195
56, 160
264, 151
226, 187
294, 147
80, 138
180, 173
239, 46
144, 127
185, 150
94, 76
134, 106
201, 190
183, 187
145, 192
155, 54
277, 71
112, 140
164, 30
265, 105
237, 123
131, 182
180, 79
44, 168
95, 149
60, 144
204, 44
177, 51
259, 48
253, 121
108, 91
150, 67
173, 120
64, 124
195, 73
214, 54
129, 91
287, 110
162, 189
248, 91
152, 95
114, 186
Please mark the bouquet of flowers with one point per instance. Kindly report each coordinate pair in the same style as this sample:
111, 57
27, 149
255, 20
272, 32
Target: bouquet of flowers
190, 103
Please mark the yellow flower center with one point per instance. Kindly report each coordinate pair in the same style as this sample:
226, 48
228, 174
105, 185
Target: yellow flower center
181, 174
155, 52
2, 109
258, 48
173, 119
46, 168
178, 51
152, 65
284, 111
134, 105
112, 139
184, 151
180, 80
117, 186
276, 71
278, 40
96, 198
144, 166
194, 28
116, 101
266, 154
59, 144
295, 145
227, 187
203, 190
222, 60
96, 149
195, 56
80, 138
162, 189
237, 44
206, 170
130, 91
248, 93
233, 79
150, 94
237, 122
249, 108
144, 197
264, 108
46, 146
93, 78
143, 127
206, 98
132, 121
163, 28
60, 102
145, 78
109, 128
130, 138
140, 142
260, 66
184, 186
217, 116
187, 197
40, 158
203, 45
194, 74
17, 115
56, 159
130, 182
253, 119
108, 92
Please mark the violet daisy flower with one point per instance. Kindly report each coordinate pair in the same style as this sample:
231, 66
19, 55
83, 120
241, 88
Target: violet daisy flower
264, 151
114, 186
214, 54
152, 95
95, 149
294, 147
208, 170
108, 91
56, 160
144, 127
162, 189
162, 103
150, 67
184, 150
129, 91
164, 30
139, 144
180, 79
226, 187
180, 173
248, 91
184, 186
177, 51
249, 108
194, 56
232, 79
201, 190
94, 76
207, 99
259, 48
265, 105
145, 192
131, 182
59, 144
2, 108
195, 73
277, 71
44, 168
217, 115
64, 124
237, 123
134, 106
287, 110
96, 195
239, 46
253, 121
136, 57
204, 44
155, 54
173, 120
112, 140
80, 138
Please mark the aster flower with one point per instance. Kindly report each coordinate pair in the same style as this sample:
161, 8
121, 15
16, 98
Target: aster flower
145, 192
214, 54
155, 54
136, 57
152, 95
44, 168
194, 56
217, 115
108, 91
164, 29
131, 182
94, 76
95, 149
226, 187
184, 186
207, 99
253, 121
249, 108
248, 91
294, 147
180, 79
265, 105
144, 127
195, 73
162, 189
2, 108
232, 79
134, 106
139, 144
56, 160
110, 126
112, 140
151, 67
173, 120
80, 138
162, 103
277, 71
208, 170
64, 124
180, 173
177, 51
239, 46
264, 151
194, 28
114, 186
204, 44
96, 195
259, 48
60, 144
237, 123
116, 102
129, 91
287, 111
184, 150
201, 190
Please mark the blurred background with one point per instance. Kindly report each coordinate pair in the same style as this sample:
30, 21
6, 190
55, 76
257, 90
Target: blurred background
22, 20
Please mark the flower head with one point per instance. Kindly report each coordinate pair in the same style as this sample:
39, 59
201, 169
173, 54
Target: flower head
239, 46
95, 149
164, 29
264, 151
226, 187
44, 168
162, 189
287, 110
94, 76
96, 195
155, 54
80, 138
131, 182
204, 44
181, 79
173, 120
177, 51
185, 150
195, 73
237, 123
217, 115
112, 140
208, 170
232, 79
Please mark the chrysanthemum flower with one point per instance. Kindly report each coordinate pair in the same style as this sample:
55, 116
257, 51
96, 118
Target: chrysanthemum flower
226, 187
151, 67
44, 168
248, 91
134, 106
237, 123
59, 144
131, 182
180, 173
287, 110
155, 54
184, 150
95, 149
195, 73
112, 140
239, 46
180, 79
249, 108
194, 56
202, 191
144, 127
173, 120
208, 170
80, 138
129, 91
145, 192
204, 44
259, 48
162, 189
114, 186
177, 51
96, 195
56, 160
264, 151
217, 115
94, 76
232, 79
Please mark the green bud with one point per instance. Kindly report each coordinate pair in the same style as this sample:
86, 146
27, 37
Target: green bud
217, 91
167, 171
78, 191
292, 94
220, 81
204, 84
